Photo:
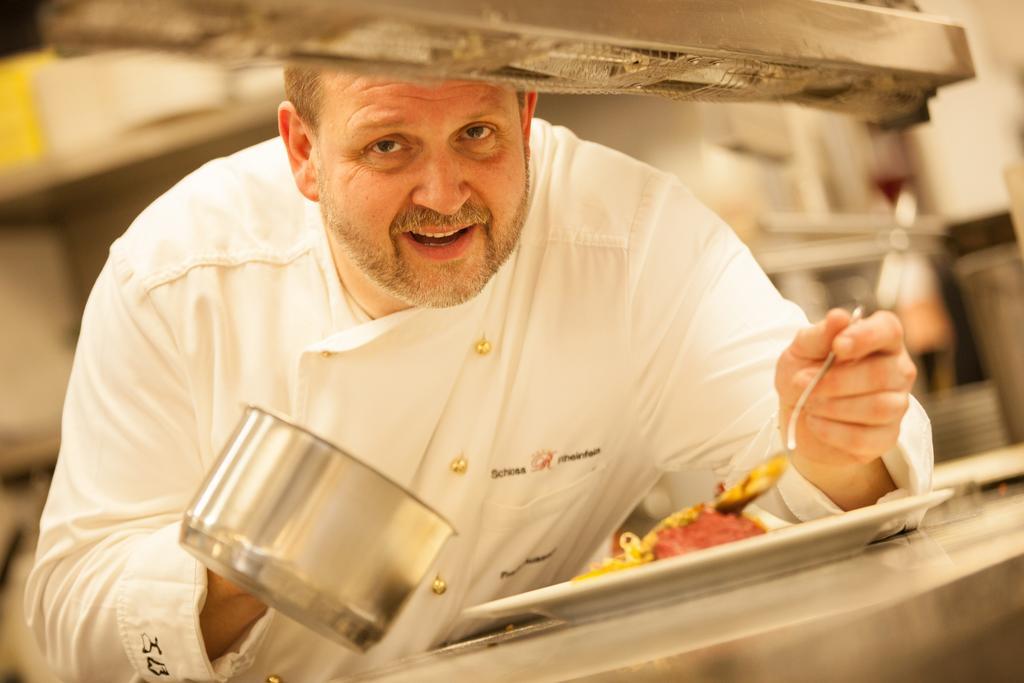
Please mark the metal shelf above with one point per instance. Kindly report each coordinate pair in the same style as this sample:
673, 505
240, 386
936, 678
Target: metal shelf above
880, 64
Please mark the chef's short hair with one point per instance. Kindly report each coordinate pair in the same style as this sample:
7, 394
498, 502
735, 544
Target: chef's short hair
302, 88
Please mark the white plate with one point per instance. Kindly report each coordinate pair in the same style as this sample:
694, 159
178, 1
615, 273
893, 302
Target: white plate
782, 550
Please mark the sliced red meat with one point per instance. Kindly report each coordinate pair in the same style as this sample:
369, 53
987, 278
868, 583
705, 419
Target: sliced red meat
711, 528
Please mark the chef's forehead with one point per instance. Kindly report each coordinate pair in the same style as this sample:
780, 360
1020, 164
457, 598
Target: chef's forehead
307, 87
366, 88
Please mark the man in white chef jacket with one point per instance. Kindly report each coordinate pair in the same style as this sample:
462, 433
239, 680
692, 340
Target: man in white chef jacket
523, 328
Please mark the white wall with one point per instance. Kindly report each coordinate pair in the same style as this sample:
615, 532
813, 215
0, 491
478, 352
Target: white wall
677, 137
976, 127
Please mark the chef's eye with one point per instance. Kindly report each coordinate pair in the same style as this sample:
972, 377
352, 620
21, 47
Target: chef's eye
478, 132
386, 146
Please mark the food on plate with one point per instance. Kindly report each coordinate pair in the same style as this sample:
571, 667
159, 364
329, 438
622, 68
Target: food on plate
710, 528
697, 527
694, 528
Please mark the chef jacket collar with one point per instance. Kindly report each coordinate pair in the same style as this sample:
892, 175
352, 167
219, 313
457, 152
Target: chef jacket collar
335, 297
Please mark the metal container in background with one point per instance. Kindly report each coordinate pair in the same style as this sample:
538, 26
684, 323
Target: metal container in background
311, 531
966, 419
993, 283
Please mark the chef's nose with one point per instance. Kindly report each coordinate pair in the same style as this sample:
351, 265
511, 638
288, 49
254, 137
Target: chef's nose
442, 186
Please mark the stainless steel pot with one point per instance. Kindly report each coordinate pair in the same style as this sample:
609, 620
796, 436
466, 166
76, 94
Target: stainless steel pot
311, 531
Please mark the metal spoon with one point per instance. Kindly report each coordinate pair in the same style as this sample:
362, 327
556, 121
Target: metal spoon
790, 444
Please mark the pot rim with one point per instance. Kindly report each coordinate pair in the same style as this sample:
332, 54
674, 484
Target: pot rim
291, 423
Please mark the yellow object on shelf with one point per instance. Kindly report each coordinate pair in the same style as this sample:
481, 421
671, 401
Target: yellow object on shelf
20, 137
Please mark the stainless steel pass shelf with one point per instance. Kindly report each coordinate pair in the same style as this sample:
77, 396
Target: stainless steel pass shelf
878, 63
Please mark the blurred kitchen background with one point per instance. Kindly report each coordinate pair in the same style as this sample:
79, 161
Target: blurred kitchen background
837, 212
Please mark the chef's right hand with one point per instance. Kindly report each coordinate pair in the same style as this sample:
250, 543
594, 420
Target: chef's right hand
853, 418
227, 613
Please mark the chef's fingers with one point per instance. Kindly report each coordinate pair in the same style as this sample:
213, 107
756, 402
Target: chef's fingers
860, 443
881, 332
815, 342
881, 372
875, 410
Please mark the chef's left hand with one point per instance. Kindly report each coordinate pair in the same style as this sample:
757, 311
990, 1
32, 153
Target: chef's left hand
853, 416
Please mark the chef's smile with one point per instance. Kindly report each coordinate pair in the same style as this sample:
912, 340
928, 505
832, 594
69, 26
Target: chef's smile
441, 244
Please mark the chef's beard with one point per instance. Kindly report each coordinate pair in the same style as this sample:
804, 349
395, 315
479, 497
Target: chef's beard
448, 284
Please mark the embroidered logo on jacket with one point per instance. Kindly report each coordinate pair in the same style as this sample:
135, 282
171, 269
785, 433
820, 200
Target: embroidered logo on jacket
155, 666
544, 459
582, 455
541, 460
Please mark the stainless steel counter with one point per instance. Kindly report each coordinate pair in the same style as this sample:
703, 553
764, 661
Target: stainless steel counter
945, 602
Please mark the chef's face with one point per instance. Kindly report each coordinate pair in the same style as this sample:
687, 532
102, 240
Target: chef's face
422, 188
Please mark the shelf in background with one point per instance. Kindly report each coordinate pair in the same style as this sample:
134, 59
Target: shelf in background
27, 189
30, 455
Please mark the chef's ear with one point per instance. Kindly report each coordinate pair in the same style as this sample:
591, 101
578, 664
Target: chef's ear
298, 140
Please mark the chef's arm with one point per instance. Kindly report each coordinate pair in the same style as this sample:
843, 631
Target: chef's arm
112, 595
708, 328
227, 614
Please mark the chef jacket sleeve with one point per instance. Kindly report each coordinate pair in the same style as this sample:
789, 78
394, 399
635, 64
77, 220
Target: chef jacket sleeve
112, 595
707, 328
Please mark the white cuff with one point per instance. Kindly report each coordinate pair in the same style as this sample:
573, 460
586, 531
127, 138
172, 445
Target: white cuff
804, 499
910, 465
159, 597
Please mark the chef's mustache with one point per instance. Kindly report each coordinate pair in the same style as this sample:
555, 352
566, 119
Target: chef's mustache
420, 216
